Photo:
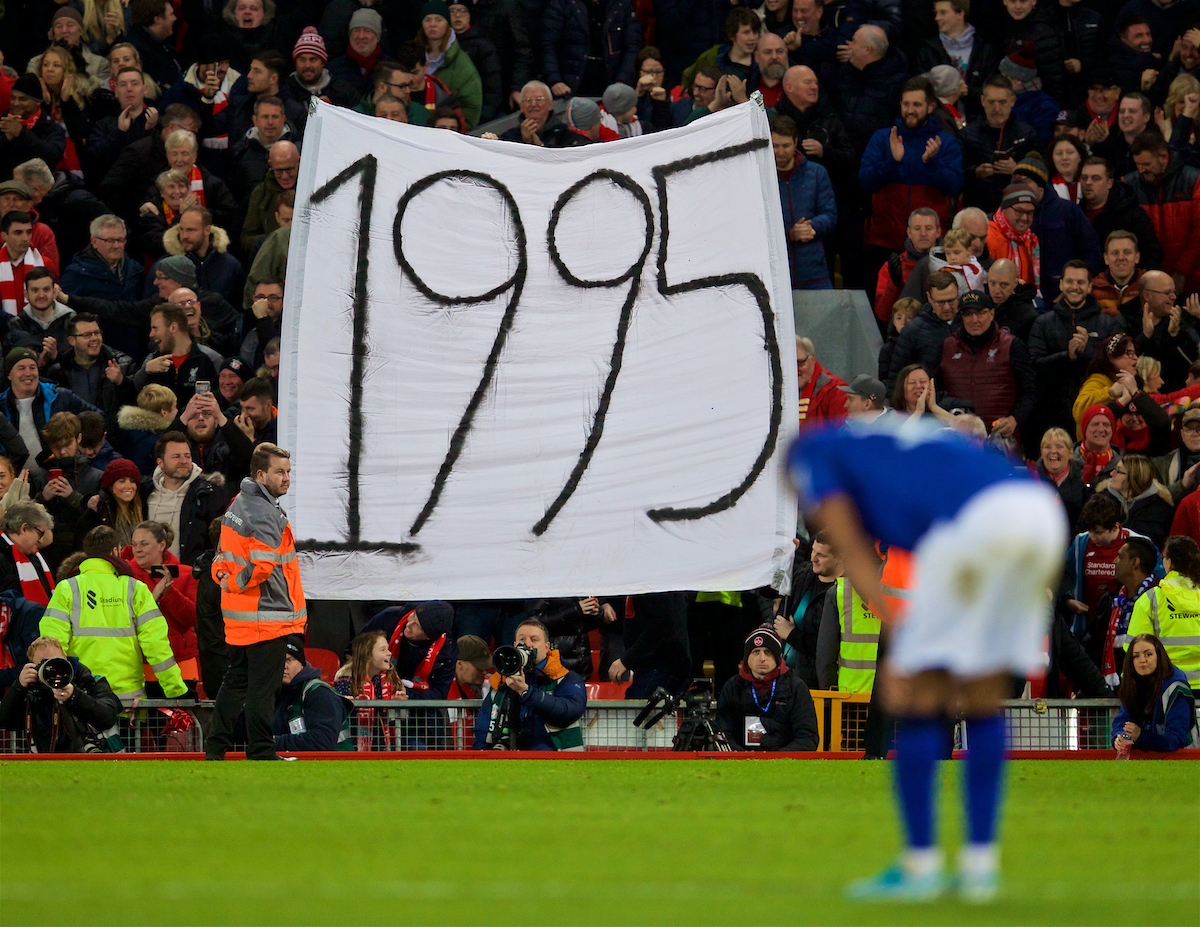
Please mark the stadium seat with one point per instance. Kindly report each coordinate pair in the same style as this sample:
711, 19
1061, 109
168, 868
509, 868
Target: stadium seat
606, 691
325, 660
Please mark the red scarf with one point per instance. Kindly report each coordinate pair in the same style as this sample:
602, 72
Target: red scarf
764, 684
421, 676
1110, 120
196, 184
28, 572
1015, 241
367, 63
367, 717
6, 660
1094, 462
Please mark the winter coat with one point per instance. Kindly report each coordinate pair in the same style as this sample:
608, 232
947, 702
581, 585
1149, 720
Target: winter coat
995, 374
980, 66
139, 431
46, 140
487, 63
1123, 212
559, 704
106, 141
48, 400
181, 380
1166, 21
921, 343
218, 199
332, 90
1081, 32
205, 499
68, 209
324, 713
91, 708
569, 628
808, 194
821, 123
826, 401
158, 59
66, 511
23, 619
1149, 513
1173, 721
218, 271
25, 331
412, 653
92, 385
270, 261
1042, 39
461, 79
1058, 377
236, 119
566, 41
1017, 313
1071, 586
866, 99
1174, 210
803, 605
979, 141
260, 215
1063, 233
178, 603
899, 187
1072, 491
790, 719
89, 275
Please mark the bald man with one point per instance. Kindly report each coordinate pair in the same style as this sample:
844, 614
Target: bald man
864, 88
1169, 331
283, 169
823, 137
771, 56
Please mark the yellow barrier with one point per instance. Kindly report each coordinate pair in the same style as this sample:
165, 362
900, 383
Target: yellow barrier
841, 719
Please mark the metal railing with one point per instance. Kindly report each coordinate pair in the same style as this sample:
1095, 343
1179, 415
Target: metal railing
172, 726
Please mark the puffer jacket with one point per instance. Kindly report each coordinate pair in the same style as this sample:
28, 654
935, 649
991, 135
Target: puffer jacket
978, 142
1174, 210
993, 371
565, 42
461, 79
921, 343
487, 63
1081, 32
1123, 212
808, 194
899, 187
1047, 49
1059, 377
1064, 233
866, 99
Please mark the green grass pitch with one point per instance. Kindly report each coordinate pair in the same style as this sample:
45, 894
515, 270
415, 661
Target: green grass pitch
604, 842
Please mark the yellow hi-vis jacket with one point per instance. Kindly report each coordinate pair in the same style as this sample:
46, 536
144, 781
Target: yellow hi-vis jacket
859, 646
111, 622
1171, 612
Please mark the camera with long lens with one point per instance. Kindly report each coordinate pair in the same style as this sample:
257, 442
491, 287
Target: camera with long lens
513, 661
695, 708
55, 672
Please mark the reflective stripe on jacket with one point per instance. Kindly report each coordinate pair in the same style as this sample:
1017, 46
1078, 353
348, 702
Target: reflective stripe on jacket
1171, 612
111, 623
258, 553
860, 641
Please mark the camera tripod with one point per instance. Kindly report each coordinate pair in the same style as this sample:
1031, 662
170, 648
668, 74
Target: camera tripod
697, 732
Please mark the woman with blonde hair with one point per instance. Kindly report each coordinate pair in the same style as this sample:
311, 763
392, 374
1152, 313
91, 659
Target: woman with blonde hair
1058, 466
1148, 506
141, 425
1181, 87
370, 675
103, 24
67, 100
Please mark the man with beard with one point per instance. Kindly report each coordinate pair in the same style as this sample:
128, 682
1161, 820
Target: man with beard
772, 59
311, 78
993, 144
218, 445
1110, 205
179, 363
207, 246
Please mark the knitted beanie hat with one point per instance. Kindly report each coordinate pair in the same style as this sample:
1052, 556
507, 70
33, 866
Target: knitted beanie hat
121, 468
1034, 168
763, 637
1016, 193
367, 19
310, 43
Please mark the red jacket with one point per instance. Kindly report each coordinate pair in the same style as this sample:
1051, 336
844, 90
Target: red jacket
887, 290
985, 377
820, 399
46, 243
178, 604
1174, 210
1187, 517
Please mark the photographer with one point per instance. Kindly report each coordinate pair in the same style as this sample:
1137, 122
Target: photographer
551, 699
765, 706
58, 720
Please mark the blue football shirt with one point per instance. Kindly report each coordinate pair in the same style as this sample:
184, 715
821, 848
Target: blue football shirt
903, 478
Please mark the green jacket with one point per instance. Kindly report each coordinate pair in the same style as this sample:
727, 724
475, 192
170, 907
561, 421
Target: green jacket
271, 261
111, 623
417, 114
461, 79
260, 212
707, 59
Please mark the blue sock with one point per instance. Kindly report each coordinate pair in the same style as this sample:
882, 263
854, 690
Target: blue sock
920, 743
984, 776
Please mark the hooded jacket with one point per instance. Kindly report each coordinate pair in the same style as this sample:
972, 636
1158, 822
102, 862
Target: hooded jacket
27, 331
218, 271
203, 500
139, 431
1148, 513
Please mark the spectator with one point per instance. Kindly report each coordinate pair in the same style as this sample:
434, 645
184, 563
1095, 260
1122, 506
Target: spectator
993, 144
896, 276
798, 619
61, 207
64, 495
1148, 505
283, 163
1081, 31
471, 669
218, 444
421, 646
735, 56
206, 246
370, 676
206, 189
111, 134
957, 44
1063, 342
309, 713
915, 394
915, 162
180, 497
27, 130
848, 643
1169, 191
265, 80
249, 155
1176, 469
569, 621
823, 137
820, 398
17, 257
551, 700
179, 362
147, 158
1067, 155
140, 425
1116, 290
94, 440
1134, 115
212, 74
922, 340
59, 720
809, 207
584, 52
956, 259
119, 601
776, 17
1059, 467
18, 195
118, 504
1106, 641
473, 40
258, 418
1011, 235
1097, 451
1112, 207
27, 528
311, 78
1158, 706
28, 403
1167, 332
103, 269
42, 324
1032, 58
985, 364
1013, 301
537, 115
363, 52
449, 61
1173, 612
161, 213
620, 110
153, 24
864, 87
173, 589
766, 707
583, 126
903, 312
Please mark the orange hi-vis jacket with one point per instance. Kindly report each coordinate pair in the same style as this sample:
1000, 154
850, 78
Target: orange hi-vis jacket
897, 580
258, 553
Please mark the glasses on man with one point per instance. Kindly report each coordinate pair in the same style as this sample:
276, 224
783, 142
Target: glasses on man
112, 241
968, 313
283, 171
88, 335
540, 98
1027, 211
1171, 292
952, 301
654, 72
273, 298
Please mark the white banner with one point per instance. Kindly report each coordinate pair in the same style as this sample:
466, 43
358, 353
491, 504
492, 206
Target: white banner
510, 371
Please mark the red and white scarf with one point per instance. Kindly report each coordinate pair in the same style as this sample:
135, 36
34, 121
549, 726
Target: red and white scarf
220, 102
368, 716
1015, 240
12, 279
196, 184
27, 573
420, 678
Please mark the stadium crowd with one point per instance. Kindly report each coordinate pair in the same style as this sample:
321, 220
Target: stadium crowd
1015, 185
